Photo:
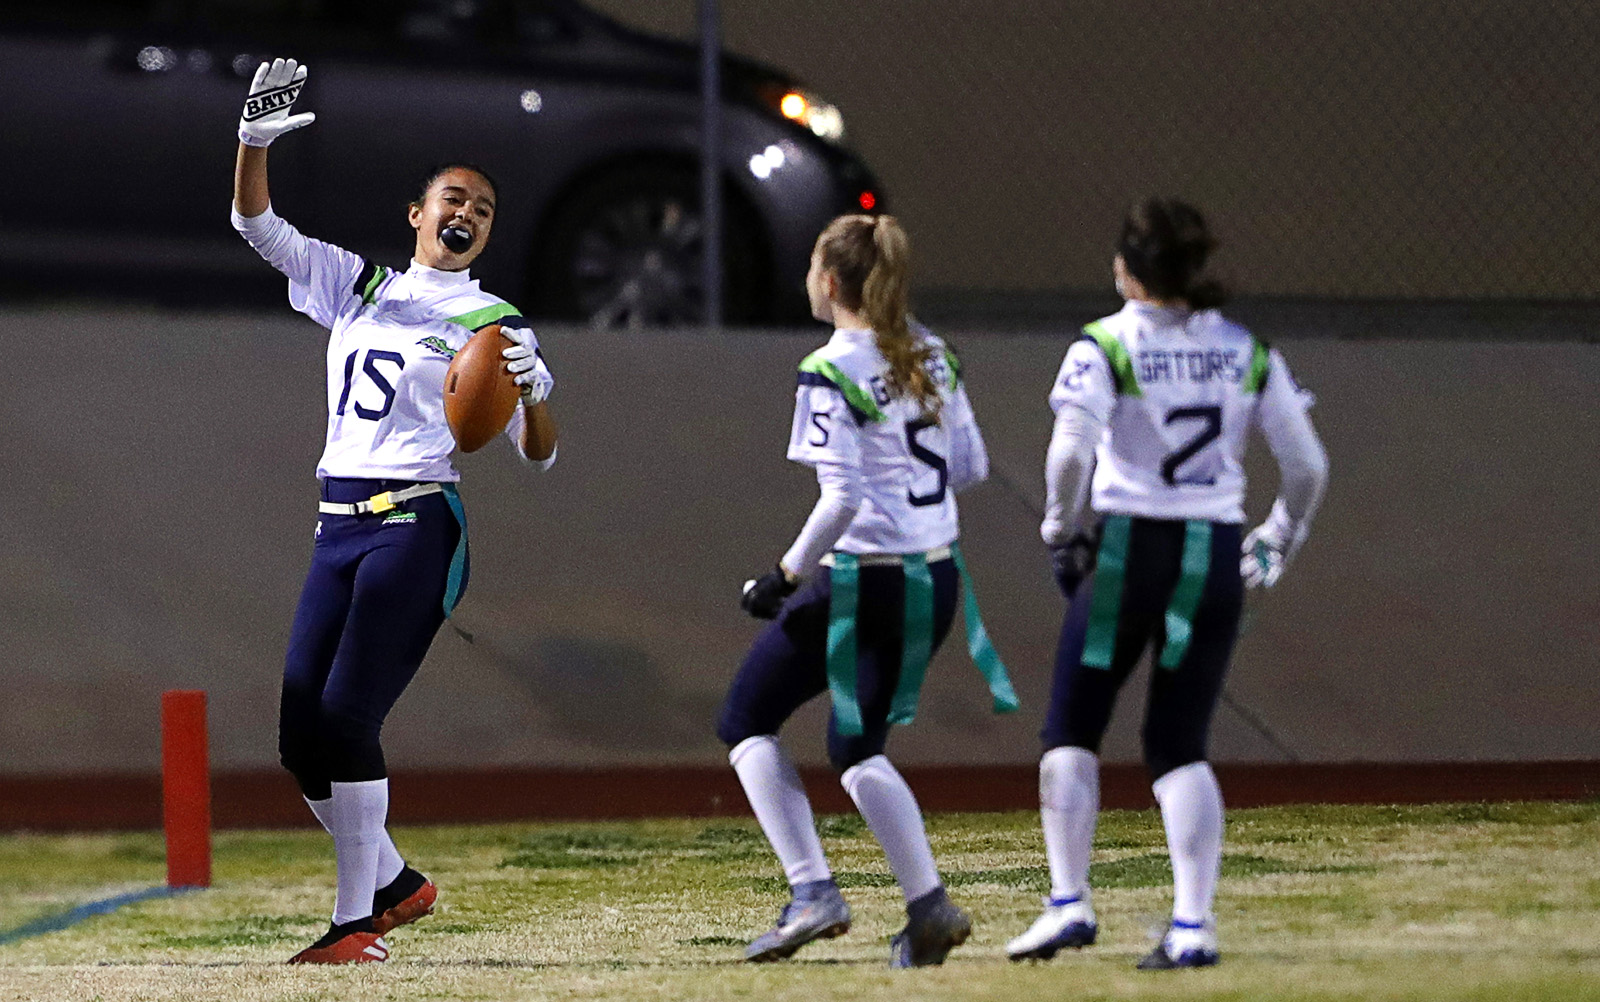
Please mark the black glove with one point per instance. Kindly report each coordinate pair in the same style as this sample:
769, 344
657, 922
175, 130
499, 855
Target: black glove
1074, 560
763, 597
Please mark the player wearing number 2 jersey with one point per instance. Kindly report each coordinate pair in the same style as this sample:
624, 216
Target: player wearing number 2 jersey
390, 557
1157, 401
882, 414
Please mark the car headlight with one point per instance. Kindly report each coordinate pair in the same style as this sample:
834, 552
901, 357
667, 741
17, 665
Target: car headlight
811, 111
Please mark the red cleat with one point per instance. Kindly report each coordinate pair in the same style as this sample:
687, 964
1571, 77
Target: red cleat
415, 905
344, 945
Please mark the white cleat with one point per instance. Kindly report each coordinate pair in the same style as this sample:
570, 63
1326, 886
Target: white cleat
1186, 944
1067, 923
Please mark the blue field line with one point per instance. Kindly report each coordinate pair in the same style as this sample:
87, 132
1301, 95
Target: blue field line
63, 920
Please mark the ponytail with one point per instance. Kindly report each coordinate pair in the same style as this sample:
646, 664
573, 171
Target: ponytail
871, 256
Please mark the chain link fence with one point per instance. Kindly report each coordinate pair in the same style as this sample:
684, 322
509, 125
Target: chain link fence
1352, 149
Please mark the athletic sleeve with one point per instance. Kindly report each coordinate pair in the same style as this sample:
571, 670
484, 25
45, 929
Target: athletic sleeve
825, 429
323, 278
1281, 414
969, 458
1085, 380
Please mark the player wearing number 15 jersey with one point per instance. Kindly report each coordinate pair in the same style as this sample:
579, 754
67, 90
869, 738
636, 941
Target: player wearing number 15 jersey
1157, 401
883, 416
389, 560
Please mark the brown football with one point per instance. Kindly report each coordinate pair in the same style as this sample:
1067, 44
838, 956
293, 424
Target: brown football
479, 395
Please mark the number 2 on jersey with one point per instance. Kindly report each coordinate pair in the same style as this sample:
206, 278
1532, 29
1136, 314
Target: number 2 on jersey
370, 368
1209, 432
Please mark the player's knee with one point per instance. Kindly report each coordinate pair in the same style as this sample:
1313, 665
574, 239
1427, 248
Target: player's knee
846, 753
1167, 748
349, 747
299, 753
1161, 758
734, 728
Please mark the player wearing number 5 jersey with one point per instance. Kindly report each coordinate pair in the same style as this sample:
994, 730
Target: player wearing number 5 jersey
1153, 407
883, 416
390, 557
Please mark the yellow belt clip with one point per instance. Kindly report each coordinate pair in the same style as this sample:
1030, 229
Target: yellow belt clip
381, 503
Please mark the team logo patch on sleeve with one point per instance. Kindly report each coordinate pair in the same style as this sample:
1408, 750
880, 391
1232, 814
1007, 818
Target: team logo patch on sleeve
438, 345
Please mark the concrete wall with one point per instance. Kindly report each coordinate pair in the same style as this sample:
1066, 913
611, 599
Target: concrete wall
1342, 147
161, 504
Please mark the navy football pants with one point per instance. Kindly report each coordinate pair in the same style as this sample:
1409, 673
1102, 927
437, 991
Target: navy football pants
788, 664
372, 602
1135, 617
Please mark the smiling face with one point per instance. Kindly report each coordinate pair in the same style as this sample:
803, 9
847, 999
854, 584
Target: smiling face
461, 199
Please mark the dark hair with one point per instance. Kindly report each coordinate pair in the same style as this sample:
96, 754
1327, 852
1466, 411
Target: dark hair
871, 257
1165, 244
435, 171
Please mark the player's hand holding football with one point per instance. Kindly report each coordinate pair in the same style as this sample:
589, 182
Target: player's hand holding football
266, 110
763, 597
1261, 564
526, 367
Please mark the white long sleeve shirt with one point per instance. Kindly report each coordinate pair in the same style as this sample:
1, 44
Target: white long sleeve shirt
888, 474
392, 336
1165, 399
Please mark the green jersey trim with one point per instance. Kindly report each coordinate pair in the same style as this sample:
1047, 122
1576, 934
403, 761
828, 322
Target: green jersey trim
486, 316
954, 364
370, 291
1117, 355
859, 400
1260, 364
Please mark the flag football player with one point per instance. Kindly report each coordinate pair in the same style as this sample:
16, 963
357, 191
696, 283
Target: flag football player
389, 559
883, 416
1153, 407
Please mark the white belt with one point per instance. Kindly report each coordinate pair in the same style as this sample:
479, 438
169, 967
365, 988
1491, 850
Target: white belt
889, 559
377, 504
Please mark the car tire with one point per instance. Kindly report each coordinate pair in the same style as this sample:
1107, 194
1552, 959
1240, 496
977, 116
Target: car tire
623, 250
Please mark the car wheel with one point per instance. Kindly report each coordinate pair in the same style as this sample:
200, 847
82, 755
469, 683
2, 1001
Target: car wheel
625, 252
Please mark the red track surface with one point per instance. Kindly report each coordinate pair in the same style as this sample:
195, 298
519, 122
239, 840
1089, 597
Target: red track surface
270, 799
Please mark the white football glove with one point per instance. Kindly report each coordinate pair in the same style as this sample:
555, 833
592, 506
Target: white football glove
272, 94
1265, 550
526, 367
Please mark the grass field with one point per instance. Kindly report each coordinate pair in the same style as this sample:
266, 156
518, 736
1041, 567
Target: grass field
1491, 902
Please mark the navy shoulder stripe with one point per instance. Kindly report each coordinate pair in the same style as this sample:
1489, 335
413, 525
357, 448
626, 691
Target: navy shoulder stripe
804, 378
368, 272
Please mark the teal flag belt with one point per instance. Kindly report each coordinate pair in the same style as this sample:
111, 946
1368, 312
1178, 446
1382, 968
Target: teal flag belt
845, 579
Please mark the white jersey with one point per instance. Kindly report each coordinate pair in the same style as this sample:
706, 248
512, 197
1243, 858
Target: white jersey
392, 337
1178, 393
909, 466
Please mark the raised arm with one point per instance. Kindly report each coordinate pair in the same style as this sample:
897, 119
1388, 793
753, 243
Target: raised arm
265, 118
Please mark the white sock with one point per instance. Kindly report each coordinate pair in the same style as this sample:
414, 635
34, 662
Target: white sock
779, 800
1191, 810
1069, 800
390, 862
884, 799
356, 818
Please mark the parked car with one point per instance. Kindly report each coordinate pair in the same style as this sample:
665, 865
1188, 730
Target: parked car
124, 112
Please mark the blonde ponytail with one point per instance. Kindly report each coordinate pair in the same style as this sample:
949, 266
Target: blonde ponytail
871, 255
